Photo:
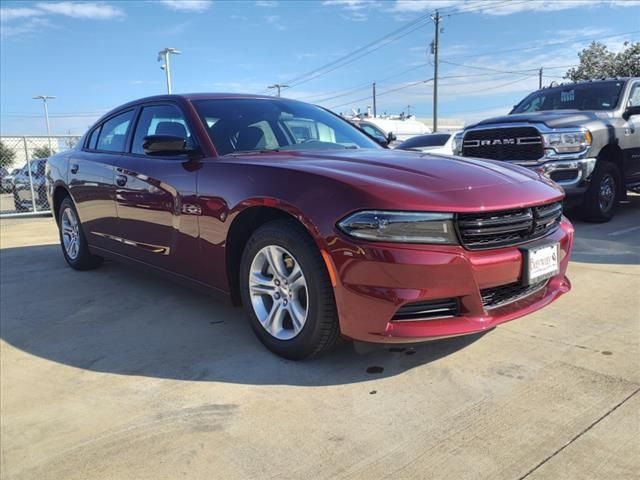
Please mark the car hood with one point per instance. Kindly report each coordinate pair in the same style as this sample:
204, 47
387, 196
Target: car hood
551, 119
409, 179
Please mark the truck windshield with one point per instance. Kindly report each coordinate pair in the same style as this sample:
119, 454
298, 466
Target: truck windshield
581, 96
245, 125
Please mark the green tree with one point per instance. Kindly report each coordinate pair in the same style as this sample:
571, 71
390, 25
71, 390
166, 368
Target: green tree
597, 61
7, 155
42, 152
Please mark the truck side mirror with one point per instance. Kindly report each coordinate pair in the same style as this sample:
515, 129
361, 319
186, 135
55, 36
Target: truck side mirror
631, 110
391, 137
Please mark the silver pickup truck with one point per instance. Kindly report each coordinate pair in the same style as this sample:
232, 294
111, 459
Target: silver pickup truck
585, 136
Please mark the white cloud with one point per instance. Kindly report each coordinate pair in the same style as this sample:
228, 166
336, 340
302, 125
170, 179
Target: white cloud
275, 21
8, 14
349, 4
187, 5
501, 7
266, 3
92, 10
30, 26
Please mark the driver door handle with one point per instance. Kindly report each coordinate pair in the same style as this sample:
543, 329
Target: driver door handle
121, 180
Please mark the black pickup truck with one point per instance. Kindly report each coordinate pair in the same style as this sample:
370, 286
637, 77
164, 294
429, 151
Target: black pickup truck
585, 136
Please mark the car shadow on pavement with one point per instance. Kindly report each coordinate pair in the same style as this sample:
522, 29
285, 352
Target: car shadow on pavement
616, 242
121, 321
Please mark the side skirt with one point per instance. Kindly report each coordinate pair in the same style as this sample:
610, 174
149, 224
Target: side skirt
152, 269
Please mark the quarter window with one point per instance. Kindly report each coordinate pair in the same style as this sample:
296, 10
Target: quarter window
114, 132
634, 98
159, 120
93, 138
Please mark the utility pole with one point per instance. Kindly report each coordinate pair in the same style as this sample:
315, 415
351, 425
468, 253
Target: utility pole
408, 110
278, 86
165, 55
434, 49
44, 99
540, 78
374, 100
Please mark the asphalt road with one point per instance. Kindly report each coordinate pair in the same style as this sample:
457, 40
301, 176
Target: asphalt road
114, 374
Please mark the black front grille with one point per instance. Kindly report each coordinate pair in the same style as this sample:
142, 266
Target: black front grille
505, 294
513, 143
504, 228
428, 310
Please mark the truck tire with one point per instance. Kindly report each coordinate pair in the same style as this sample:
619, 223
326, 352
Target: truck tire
601, 199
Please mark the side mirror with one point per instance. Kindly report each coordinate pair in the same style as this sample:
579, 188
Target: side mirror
165, 145
391, 137
631, 110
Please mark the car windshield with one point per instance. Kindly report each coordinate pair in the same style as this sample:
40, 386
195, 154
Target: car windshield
241, 125
432, 140
581, 96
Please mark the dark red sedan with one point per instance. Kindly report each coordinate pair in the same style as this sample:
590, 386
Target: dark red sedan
309, 223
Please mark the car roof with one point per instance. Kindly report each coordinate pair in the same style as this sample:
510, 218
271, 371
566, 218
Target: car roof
190, 97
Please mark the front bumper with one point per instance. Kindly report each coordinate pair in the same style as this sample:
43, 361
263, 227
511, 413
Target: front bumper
572, 175
375, 280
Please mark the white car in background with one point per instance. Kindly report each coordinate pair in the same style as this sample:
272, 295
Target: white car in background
439, 142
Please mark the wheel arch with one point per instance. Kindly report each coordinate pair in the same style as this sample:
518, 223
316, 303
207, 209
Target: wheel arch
613, 154
60, 192
248, 220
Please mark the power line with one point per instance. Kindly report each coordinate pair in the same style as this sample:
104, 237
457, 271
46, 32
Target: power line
362, 51
546, 45
362, 86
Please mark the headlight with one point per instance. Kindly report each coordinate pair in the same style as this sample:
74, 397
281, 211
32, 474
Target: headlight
457, 143
569, 142
405, 227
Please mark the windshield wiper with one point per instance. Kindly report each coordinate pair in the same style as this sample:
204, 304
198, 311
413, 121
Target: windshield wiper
252, 152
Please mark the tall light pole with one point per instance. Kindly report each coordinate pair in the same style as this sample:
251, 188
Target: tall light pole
44, 99
278, 86
435, 47
165, 55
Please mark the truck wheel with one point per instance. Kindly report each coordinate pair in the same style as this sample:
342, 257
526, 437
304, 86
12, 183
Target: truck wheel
601, 199
286, 291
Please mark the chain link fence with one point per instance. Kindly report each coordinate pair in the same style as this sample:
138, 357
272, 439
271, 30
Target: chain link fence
23, 189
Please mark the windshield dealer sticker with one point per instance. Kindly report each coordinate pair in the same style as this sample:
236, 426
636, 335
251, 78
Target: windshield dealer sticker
568, 96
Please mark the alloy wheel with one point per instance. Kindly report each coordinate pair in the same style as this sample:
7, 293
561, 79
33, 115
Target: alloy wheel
607, 193
70, 233
278, 291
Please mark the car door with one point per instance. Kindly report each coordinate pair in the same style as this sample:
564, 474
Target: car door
156, 195
630, 142
91, 178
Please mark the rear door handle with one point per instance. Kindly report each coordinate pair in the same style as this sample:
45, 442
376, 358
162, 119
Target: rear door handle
121, 180
74, 168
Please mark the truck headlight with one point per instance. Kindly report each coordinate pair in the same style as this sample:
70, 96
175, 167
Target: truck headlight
402, 227
568, 142
456, 145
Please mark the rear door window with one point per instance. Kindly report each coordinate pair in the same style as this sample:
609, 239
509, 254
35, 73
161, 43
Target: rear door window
114, 133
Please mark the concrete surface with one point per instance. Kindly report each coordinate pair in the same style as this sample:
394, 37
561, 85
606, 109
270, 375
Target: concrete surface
114, 374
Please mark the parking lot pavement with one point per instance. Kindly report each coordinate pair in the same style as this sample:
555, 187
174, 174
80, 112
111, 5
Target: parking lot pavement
117, 374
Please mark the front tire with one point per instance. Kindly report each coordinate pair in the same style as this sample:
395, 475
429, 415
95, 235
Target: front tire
601, 199
286, 291
72, 239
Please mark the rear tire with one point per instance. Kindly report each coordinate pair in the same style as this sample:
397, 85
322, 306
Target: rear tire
306, 324
601, 199
72, 239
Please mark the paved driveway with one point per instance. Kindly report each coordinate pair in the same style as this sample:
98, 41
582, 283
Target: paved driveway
115, 374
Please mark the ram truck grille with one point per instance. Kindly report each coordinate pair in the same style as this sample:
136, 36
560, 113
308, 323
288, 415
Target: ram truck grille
514, 143
480, 231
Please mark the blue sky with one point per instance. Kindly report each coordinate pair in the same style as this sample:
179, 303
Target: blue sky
94, 56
